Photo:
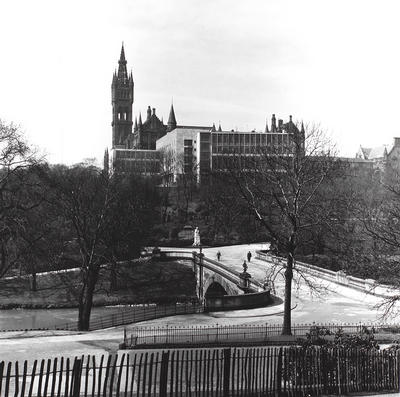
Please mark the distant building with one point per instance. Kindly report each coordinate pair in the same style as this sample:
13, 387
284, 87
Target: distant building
377, 155
202, 149
382, 157
151, 147
146, 134
135, 161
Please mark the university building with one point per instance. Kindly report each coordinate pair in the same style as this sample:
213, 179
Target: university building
151, 147
383, 158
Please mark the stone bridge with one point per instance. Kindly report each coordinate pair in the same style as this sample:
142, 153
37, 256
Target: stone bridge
220, 288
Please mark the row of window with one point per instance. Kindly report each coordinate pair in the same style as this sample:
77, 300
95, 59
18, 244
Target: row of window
278, 149
250, 139
142, 167
136, 154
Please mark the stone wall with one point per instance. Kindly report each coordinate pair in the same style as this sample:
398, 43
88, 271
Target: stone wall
237, 302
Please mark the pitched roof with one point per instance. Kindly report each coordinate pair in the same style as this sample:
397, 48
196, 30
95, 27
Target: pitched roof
377, 152
365, 151
171, 118
373, 153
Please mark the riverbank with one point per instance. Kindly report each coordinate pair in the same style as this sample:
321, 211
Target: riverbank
134, 282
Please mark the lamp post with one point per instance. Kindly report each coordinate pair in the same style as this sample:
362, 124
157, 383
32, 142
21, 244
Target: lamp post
197, 243
201, 287
245, 279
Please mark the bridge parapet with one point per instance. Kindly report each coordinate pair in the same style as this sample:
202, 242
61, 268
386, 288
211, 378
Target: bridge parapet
368, 286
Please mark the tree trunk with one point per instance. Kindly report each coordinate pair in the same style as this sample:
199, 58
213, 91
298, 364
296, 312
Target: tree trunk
287, 314
113, 275
86, 300
34, 282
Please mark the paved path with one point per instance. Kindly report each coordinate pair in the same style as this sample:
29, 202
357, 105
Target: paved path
331, 303
326, 302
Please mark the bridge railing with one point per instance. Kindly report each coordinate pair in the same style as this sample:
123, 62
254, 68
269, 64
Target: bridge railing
178, 254
369, 286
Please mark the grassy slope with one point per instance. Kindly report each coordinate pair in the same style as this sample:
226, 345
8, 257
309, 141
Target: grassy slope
138, 282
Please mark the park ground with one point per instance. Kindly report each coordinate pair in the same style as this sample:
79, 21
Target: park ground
138, 281
327, 303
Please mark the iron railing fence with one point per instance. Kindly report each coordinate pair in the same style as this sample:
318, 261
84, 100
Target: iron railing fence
135, 314
225, 334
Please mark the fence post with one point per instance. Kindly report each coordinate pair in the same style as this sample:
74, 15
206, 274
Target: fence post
324, 370
164, 374
279, 373
227, 372
76, 378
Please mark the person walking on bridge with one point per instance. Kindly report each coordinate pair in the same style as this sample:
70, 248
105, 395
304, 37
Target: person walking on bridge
249, 256
218, 255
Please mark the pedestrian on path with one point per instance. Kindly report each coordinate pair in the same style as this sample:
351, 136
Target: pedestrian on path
248, 256
218, 255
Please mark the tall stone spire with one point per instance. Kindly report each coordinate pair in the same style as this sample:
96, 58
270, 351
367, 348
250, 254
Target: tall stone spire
266, 127
140, 124
171, 119
122, 72
219, 128
122, 103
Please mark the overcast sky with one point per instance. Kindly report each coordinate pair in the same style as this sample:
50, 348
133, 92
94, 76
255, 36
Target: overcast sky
336, 63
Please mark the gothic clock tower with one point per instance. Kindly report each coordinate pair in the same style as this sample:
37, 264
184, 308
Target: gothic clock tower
122, 102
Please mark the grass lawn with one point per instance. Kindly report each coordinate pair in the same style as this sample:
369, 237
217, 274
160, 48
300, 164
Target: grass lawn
137, 281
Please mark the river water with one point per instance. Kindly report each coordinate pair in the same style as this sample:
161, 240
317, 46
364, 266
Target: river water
20, 319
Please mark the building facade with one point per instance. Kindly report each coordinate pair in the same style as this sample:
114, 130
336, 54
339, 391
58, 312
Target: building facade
200, 150
383, 158
151, 147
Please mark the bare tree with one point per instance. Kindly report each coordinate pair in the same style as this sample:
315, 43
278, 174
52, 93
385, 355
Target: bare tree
380, 216
105, 218
186, 183
283, 185
16, 158
83, 197
168, 169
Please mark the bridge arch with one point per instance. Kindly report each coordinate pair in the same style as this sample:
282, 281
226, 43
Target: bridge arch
215, 289
211, 278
